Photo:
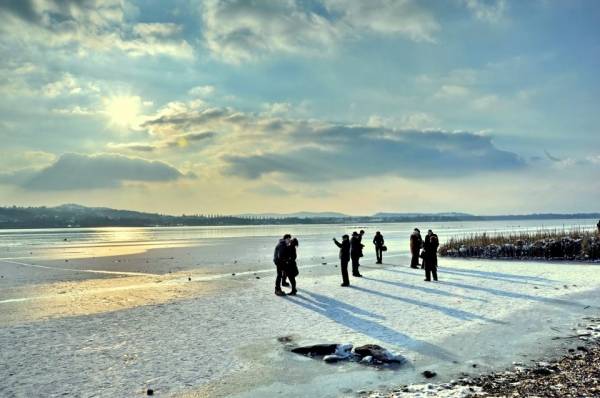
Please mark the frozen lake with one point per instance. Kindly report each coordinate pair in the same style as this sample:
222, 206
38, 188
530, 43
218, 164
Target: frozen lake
113, 311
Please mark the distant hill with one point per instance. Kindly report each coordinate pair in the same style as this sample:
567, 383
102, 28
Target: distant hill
73, 215
420, 215
301, 214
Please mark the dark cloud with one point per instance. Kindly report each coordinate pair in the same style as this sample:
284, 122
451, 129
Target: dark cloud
185, 139
133, 146
354, 152
75, 171
27, 10
552, 158
178, 141
23, 9
191, 119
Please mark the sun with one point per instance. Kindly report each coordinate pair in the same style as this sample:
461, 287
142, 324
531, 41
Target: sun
124, 110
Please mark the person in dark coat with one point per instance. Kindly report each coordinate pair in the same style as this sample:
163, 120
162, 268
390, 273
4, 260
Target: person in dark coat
344, 258
416, 242
430, 247
291, 267
356, 253
379, 243
598, 225
280, 258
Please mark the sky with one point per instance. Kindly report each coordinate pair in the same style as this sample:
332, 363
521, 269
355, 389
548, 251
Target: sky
233, 106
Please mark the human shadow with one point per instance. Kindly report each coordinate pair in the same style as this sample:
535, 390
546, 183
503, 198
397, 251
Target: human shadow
452, 312
339, 312
424, 289
504, 293
500, 276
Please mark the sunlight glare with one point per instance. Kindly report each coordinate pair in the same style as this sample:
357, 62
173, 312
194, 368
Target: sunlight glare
124, 111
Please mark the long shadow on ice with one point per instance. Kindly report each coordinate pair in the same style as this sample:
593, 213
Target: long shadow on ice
342, 313
453, 312
424, 289
498, 292
499, 276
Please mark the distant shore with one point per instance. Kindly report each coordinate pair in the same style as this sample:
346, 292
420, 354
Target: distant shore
76, 216
574, 245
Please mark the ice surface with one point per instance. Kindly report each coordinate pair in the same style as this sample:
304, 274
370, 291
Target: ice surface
220, 338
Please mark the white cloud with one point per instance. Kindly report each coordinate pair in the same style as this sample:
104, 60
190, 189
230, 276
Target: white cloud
238, 31
202, 91
487, 10
80, 26
277, 108
451, 91
487, 102
76, 110
67, 85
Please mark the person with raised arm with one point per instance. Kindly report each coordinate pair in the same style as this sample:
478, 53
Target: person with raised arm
344, 258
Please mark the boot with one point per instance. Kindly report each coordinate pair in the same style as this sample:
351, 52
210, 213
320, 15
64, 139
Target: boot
293, 292
279, 293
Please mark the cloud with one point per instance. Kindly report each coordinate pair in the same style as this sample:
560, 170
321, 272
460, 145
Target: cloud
487, 10
356, 152
238, 30
251, 145
201, 91
451, 91
75, 171
567, 162
411, 121
83, 25
176, 141
132, 146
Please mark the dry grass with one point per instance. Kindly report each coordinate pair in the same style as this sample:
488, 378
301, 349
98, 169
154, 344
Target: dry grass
588, 238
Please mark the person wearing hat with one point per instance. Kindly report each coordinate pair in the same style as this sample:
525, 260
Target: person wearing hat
430, 247
344, 258
416, 242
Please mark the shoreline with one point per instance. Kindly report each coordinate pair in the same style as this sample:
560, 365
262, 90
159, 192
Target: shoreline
574, 371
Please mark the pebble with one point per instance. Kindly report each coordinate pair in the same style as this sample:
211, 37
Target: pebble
428, 374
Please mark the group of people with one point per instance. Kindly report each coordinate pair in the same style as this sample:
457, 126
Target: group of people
426, 250
351, 250
285, 262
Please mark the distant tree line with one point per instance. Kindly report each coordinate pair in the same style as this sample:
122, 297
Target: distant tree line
79, 216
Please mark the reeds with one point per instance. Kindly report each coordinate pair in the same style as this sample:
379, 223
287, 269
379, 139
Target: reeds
576, 243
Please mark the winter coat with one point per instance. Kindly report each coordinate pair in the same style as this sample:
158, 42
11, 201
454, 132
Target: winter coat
281, 253
378, 240
344, 249
416, 242
291, 267
430, 247
356, 247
